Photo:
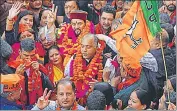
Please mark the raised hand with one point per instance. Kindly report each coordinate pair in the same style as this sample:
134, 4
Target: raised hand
54, 10
171, 106
15, 10
43, 100
51, 17
106, 74
119, 103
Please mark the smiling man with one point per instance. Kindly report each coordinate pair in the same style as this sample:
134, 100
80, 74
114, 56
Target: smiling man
69, 41
107, 16
104, 26
78, 21
66, 98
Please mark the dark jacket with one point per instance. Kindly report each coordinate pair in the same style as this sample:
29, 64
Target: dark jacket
170, 59
10, 37
155, 84
8, 105
156, 79
125, 93
93, 15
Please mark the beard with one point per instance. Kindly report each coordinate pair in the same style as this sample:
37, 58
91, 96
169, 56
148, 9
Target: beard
77, 32
171, 7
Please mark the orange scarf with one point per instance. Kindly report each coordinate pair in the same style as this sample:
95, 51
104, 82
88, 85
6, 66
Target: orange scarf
94, 68
50, 70
134, 73
34, 80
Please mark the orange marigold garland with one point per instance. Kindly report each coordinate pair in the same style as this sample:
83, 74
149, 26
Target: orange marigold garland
94, 68
69, 47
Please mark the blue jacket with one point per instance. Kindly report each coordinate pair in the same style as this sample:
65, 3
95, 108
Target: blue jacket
8, 105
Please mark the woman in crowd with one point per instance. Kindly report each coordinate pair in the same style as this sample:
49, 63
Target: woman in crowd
26, 33
47, 29
55, 65
16, 21
139, 100
24, 27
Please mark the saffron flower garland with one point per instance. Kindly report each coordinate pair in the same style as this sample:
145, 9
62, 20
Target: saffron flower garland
69, 46
80, 72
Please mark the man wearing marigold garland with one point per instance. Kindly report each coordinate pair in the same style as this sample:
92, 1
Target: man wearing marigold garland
27, 65
71, 34
86, 67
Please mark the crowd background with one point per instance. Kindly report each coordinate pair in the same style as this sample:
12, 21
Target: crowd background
60, 55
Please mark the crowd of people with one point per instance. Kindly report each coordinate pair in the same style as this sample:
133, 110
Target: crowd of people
60, 55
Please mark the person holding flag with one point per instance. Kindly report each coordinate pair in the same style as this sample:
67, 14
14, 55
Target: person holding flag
132, 44
139, 27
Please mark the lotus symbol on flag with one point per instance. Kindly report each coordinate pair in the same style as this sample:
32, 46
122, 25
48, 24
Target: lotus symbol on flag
130, 34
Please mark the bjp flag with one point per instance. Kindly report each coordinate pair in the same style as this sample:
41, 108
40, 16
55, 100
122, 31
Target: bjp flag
139, 26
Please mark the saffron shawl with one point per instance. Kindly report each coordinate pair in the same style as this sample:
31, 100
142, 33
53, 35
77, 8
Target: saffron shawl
50, 70
34, 81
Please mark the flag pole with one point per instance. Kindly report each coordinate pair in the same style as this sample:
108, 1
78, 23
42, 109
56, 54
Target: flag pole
164, 67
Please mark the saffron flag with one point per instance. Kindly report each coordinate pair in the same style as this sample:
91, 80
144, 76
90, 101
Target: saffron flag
139, 26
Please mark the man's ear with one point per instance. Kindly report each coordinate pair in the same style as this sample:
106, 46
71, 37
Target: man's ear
157, 44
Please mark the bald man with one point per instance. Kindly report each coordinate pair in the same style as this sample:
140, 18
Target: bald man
89, 59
